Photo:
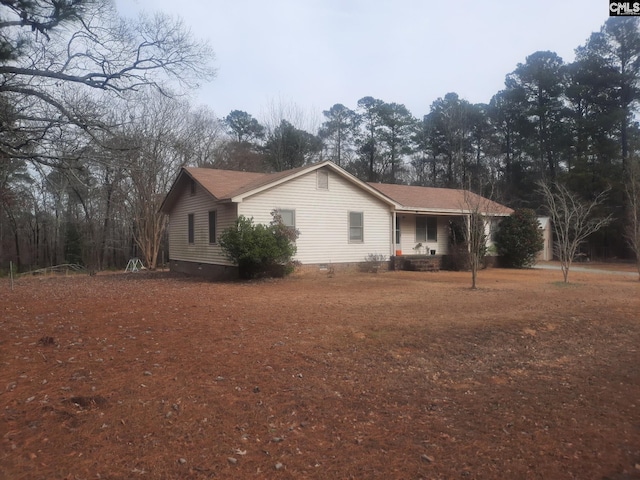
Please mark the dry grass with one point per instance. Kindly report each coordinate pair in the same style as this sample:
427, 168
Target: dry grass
394, 375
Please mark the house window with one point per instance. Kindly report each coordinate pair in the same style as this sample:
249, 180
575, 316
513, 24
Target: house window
421, 229
322, 177
192, 186
190, 228
432, 229
426, 229
213, 216
356, 227
288, 217
397, 230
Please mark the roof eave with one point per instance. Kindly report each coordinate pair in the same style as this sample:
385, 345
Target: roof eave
433, 211
447, 211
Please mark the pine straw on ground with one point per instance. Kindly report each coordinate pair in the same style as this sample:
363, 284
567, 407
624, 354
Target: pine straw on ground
396, 375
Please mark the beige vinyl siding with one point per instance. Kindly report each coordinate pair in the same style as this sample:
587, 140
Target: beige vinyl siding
201, 251
408, 236
322, 217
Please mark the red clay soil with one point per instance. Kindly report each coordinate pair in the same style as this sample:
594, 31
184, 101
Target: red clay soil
399, 375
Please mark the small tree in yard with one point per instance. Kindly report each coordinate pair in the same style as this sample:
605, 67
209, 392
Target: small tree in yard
475, 208
477, 241
260, 250
468, 235
573, 220
519, 239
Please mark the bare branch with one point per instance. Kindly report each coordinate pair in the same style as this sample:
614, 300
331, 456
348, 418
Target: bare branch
573, 220
88, 51
479, 213
632, 230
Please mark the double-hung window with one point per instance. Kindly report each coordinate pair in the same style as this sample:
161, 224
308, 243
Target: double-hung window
426, 229
356, 227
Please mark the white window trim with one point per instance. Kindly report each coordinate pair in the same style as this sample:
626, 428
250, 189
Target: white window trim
427, 231
361, 239
293, 213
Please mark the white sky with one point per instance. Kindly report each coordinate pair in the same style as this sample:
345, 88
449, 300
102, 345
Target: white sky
316, 53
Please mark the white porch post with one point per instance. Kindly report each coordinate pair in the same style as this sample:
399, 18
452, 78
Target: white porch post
394, 219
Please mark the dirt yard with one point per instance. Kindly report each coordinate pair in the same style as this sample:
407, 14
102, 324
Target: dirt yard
399, 375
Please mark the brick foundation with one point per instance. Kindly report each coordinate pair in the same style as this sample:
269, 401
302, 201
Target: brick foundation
417, 263
205, 270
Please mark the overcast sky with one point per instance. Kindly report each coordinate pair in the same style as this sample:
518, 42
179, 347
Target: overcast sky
316, 53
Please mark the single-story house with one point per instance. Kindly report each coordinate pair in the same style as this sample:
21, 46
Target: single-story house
341, 219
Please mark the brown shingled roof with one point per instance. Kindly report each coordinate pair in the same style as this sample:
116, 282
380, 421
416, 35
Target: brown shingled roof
227, 184
223, 183
431, 198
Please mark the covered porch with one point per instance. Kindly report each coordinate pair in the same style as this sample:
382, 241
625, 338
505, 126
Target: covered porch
422, 234
423, 241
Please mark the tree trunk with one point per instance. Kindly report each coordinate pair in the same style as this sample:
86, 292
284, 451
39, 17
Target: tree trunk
106, 223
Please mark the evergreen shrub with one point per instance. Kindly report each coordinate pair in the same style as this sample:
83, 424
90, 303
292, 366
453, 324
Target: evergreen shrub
519, 239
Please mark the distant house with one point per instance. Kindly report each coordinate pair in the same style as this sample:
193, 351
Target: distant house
341, 219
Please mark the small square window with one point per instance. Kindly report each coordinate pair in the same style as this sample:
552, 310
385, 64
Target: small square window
288, 217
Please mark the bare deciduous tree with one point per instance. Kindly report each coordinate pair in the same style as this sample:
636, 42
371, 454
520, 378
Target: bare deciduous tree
477, 210
573, 220
281, 109
56, 57
63, 66
160, 140
477, 241
632, 230
201, 138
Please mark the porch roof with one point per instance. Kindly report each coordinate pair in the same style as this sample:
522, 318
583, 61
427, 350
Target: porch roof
440, 200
